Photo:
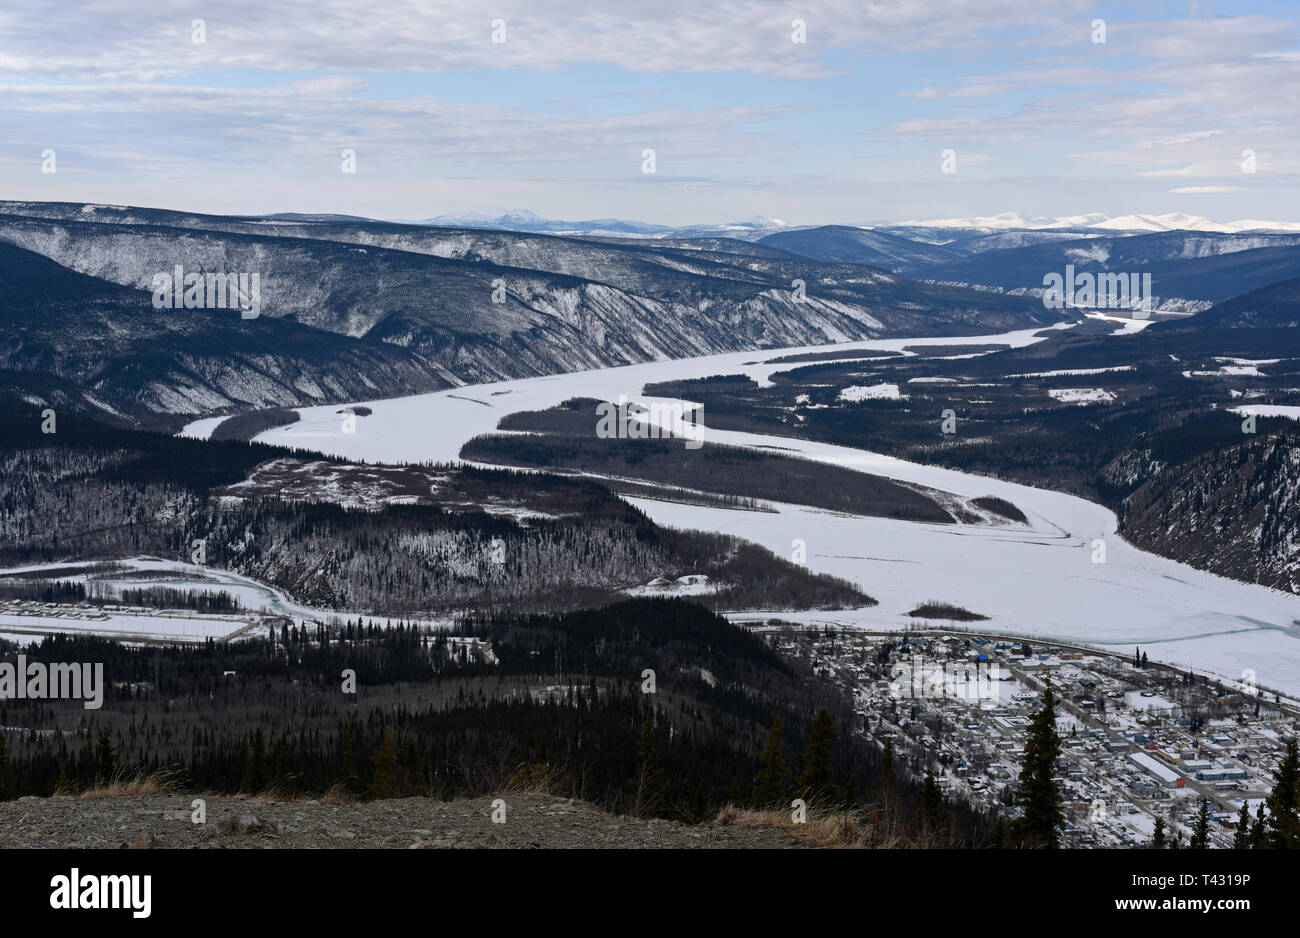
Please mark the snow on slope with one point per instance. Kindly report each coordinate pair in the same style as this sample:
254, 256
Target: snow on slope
1172, 221
433, 427
1035, 579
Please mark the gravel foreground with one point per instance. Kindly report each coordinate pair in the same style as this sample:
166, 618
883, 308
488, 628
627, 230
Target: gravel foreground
531, 822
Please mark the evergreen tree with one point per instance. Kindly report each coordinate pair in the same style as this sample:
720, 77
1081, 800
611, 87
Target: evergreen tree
1283, 825
385, 761
1201, 831
255, 769
1241, 839
813, 779
651, 789
851, 792
769, 786
347, 770
1158, 837
997, 834
733, 793
7, 787
1258, 830
1039, 798
931, 801
888, 777
105, 757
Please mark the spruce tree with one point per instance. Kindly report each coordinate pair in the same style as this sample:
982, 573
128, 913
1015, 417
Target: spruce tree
105, 757
1241, 839
813, 778
347, 769
769, 787
1201, 831
733, 793
385, 761
7, 786
255, 770
1039, 798
651, 791
1258, 831
888, 777
931, 801
997, 834
1158, 837
1283, 825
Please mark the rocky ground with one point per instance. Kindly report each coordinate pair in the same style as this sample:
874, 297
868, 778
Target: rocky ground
531, 821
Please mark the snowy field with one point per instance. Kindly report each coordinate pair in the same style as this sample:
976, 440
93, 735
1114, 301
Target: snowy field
164, 625
176, 627
1036, 579
1269, 410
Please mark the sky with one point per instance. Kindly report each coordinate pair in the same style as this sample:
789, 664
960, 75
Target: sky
885, 111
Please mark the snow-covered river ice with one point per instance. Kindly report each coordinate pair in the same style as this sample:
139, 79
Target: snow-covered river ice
1039, 579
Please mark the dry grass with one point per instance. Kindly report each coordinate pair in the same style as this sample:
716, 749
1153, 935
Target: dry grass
124, 785
337, 794
537, 778
861, 828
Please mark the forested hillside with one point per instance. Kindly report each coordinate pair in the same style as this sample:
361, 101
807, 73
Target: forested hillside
472, 539
558, 704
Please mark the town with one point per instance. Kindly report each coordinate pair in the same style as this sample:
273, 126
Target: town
1142, 742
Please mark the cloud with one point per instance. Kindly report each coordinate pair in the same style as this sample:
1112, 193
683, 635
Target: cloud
306, 123
121, 39
422, 93
963, 91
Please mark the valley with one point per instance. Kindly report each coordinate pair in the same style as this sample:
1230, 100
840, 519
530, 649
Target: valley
1039, 578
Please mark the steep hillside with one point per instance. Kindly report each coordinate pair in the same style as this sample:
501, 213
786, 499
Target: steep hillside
847, 245
564, 303
77, 341
1234, 511
1189, 270
1277, 304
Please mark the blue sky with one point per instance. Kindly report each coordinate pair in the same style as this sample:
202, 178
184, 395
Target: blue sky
847, 127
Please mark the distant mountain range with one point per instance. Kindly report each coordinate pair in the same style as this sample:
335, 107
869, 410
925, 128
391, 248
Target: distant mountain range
354, 308
360, 309
760, 226
1277, 304
82, 343
526, 221
1174, 221
1189, 271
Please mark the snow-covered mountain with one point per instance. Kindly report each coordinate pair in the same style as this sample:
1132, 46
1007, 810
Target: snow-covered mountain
1173, 221
1235, 512
1190, 270
530, 222
429, 306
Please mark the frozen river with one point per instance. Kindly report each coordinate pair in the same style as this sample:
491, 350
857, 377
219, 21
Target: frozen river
1036, 579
